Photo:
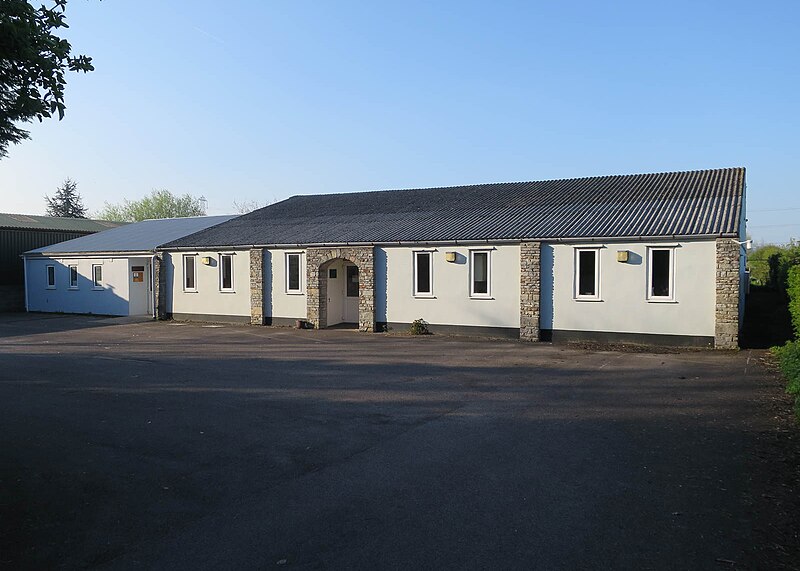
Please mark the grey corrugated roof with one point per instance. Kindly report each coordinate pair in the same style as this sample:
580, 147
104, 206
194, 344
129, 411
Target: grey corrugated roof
138, 237
33, 222
705, 202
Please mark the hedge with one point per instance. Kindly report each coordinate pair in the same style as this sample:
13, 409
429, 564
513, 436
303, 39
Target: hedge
779, 265
789, 362
793, 290
789, 355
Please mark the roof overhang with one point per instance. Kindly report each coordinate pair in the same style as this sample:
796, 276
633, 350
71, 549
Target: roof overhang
122, 254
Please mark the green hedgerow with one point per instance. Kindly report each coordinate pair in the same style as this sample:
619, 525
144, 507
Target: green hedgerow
789, 362
793, 290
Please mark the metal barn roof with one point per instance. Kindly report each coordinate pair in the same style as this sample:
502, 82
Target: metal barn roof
33, 222
695, 203
138, 237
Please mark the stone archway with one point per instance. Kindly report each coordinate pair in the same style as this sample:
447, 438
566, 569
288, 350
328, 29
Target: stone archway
317, 262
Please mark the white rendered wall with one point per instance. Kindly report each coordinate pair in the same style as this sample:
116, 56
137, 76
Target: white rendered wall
278, 302
451, 303
208, 299
111, 299
623, 305
394, 299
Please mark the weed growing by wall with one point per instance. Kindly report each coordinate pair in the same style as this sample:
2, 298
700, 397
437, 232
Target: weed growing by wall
419, 327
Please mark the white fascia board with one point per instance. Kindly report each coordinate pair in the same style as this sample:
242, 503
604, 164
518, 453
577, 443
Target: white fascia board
123, 254
452, 242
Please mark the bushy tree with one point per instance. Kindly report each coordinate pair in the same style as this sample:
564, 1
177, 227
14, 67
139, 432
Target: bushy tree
158, 204
66, 201
33, 62
758, 261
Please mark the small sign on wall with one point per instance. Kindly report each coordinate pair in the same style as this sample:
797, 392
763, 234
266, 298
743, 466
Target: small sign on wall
138, 273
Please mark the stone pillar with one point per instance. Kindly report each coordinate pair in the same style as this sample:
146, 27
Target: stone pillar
316, 291
529, 280
160, 285
317, 284
726, 334
257, 286
366, 290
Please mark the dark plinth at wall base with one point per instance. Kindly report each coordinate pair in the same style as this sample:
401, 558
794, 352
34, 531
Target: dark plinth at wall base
565, 336
466, 330
283, 321
555, 336
211, 318
270, 321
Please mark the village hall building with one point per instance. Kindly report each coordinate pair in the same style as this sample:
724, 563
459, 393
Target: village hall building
650, 258
107, 273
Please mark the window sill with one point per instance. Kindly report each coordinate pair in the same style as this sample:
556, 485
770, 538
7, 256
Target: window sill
424, 296
227, 291
50, 287
481, 297
589, 299
661, 301
73, 289
295, 293
97, 288
190, 291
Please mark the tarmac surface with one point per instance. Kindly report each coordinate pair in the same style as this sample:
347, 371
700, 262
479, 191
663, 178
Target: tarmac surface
161, 445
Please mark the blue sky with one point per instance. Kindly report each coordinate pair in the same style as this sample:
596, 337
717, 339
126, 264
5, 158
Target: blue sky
263, 100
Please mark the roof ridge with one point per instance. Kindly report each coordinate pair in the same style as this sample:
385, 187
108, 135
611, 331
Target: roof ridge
573, 179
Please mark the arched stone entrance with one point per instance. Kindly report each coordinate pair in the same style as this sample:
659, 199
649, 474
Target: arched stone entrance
318, 260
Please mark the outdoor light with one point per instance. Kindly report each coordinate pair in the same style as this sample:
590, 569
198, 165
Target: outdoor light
450, 256
206, 260
622, 256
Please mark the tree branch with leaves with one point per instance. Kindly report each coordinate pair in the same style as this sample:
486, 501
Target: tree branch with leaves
33, 64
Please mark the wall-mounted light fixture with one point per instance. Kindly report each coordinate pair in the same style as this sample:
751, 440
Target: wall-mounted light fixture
622, 256
450, 256
206, 260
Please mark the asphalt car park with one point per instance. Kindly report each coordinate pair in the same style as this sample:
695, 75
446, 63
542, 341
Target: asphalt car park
141, 444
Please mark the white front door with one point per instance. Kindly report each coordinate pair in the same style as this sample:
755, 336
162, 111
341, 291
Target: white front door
351, 295
138, 287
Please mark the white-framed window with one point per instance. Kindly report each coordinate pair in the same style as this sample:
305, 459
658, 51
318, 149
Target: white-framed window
480, 274
294, 272
226, 272
661, 273
73, 276
587, 273
189, 272
51, 276
97, 276
423, 274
